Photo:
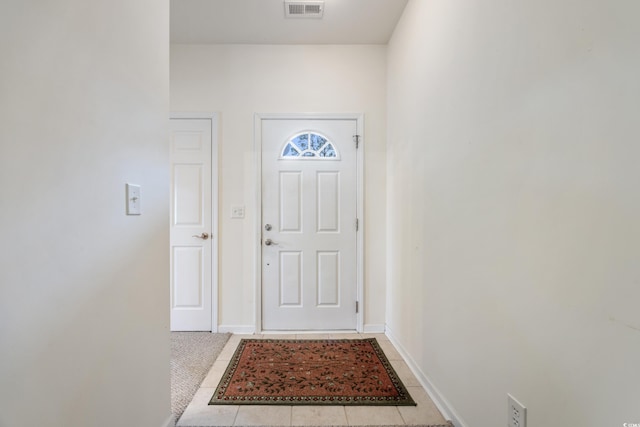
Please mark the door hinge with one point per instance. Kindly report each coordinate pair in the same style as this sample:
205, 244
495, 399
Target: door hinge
357, 224
356, 139
357, 306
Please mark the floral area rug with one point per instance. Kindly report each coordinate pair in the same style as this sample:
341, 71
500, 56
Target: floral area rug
310, 372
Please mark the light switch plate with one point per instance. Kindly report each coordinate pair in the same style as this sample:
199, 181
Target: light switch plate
133, 199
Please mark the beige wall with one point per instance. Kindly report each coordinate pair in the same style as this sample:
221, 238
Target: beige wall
83, 288
240, 80
513, 206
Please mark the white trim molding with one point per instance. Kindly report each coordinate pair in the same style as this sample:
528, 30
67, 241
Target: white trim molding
215, 179
237, 329
170, 422
372, 328
257, 138
443, 405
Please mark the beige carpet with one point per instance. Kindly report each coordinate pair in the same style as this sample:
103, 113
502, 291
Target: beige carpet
192, 355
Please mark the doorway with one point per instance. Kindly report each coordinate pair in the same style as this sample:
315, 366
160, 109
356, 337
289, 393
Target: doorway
310, 223
193, 226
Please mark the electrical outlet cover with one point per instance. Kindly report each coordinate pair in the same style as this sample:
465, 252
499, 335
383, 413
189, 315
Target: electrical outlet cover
237, 211
517, 413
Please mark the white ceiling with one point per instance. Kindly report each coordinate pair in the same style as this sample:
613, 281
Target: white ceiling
263, 22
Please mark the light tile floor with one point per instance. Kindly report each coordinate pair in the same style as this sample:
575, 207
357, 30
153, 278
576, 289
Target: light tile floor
200, 413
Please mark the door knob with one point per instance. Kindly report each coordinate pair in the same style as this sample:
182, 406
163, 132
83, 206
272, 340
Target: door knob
203, 236
269, 242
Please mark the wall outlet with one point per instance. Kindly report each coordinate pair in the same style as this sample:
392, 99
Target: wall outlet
237, 211
517, 413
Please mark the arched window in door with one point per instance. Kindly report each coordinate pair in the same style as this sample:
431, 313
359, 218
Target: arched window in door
309, 145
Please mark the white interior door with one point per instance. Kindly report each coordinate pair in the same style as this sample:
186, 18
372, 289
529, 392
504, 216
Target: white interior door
191, 237
309, 208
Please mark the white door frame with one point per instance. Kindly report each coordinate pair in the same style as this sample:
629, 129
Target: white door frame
214, 117
257, 139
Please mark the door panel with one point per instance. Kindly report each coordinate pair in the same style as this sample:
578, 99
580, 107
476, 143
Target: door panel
328, 203
291, 279
188, 264
291, 201
309, 172
328, 278
189, 195
191, 221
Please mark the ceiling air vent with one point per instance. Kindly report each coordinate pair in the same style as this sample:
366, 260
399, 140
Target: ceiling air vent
303, 9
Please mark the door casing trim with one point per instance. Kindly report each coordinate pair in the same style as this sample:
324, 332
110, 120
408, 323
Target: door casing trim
215, 179
257, 148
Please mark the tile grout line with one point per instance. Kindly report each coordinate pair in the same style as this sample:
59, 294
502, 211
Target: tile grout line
404, 422
344, 409
235, 417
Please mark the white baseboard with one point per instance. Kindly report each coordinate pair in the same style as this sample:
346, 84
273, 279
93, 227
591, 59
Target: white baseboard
303, 331
250, 329
373, 328
440, 401
170, 422
237, 329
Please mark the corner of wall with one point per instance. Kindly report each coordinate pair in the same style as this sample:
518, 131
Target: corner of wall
443, 405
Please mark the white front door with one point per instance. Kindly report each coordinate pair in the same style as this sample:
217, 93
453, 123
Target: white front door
191, 224
309, 207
